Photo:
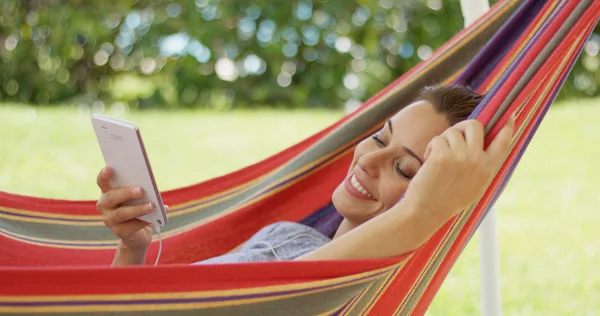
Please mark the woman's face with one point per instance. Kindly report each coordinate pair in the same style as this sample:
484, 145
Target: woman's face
384, 164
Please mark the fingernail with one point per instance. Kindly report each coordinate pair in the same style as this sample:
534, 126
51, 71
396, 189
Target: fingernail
104, 172
148, 207
137, 191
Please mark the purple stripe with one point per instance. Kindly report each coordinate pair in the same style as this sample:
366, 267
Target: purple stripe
179, 300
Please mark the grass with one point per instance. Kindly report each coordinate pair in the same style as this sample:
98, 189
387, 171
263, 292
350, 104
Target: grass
548, 215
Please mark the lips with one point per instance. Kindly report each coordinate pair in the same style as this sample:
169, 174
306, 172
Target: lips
356, 188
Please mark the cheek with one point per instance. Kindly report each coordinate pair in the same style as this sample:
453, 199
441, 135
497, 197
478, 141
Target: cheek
391, 191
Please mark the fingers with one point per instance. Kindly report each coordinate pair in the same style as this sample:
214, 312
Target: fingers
474, 134
114, 197
127, 213
456, 140
103, 179
501, 144
437, 145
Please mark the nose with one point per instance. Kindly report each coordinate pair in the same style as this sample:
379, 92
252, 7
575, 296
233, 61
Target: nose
372, 163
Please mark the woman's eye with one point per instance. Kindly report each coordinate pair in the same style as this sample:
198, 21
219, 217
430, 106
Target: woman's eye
378, 140
401, 172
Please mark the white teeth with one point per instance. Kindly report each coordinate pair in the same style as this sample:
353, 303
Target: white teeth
359, 187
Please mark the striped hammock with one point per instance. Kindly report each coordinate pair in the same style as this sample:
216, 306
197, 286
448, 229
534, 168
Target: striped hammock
54, 254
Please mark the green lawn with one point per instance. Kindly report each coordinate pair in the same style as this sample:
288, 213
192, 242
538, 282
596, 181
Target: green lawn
548, 216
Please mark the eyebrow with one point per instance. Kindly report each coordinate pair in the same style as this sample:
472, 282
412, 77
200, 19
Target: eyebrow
412, 153
389, 124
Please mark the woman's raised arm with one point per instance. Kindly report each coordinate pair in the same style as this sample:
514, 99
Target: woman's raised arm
455, 174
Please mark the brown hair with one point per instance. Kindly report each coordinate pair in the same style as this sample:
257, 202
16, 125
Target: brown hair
457, 102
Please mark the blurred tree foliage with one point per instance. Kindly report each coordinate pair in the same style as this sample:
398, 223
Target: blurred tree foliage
222, 54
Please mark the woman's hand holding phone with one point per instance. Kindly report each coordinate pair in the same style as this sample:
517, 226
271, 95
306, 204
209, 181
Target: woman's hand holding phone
135, 234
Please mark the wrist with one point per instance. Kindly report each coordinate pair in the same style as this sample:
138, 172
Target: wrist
132, 248
128, 256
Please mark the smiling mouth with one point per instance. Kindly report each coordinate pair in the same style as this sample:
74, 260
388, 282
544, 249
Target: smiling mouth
360, 188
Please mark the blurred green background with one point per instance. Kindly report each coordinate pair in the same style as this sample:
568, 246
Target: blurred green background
225, 54
209, 81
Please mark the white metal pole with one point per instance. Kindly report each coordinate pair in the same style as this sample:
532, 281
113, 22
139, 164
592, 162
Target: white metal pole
491, 302
473, 10
489, 261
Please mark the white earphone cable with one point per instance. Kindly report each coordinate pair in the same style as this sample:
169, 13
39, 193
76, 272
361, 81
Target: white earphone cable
157, 228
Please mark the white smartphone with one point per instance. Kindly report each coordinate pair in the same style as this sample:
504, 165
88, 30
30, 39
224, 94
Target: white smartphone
123, 150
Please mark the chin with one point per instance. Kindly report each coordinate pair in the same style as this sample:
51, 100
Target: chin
352, 209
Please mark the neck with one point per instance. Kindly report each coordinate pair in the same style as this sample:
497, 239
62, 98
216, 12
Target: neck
345, 227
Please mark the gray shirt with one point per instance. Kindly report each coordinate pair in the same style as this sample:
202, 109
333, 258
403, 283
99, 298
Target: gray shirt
279, 241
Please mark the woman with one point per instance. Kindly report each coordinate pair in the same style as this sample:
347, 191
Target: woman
428, 156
